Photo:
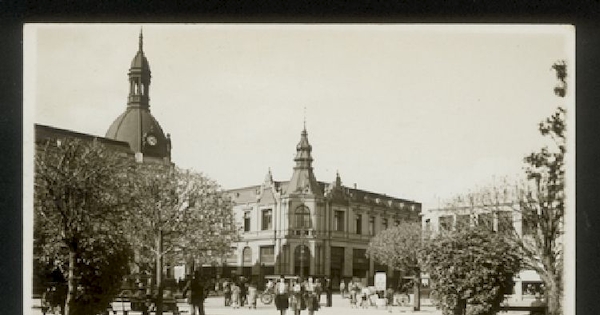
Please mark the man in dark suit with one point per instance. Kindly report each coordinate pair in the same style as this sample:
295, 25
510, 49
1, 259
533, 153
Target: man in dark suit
196, 295
328, 291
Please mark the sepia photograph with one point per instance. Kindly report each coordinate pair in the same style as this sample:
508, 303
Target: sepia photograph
231, 168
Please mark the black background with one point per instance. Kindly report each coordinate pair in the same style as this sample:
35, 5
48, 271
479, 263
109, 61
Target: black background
583, 14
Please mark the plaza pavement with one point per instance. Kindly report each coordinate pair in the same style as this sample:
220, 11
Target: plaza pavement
215, 306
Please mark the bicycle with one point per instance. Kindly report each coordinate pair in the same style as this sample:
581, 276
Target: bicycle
267, 296
402, 299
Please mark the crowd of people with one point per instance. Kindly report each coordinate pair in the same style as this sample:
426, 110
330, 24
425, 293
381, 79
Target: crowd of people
301, 294
297, 294
239, 293
362, 296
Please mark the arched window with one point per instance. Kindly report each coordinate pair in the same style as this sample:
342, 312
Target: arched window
302, 218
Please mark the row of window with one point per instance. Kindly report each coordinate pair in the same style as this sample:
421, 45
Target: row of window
302, 220
267, 255
266, 222
505, 221
339, 223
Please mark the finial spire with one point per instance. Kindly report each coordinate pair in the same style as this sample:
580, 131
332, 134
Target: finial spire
269, 177
303, 179
338, 180
304, 118
141, 39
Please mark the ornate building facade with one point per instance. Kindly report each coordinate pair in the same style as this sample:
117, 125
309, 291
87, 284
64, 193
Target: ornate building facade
306, 227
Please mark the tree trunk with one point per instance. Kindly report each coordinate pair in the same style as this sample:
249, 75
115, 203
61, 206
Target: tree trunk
159, 267
553, 285
553, 296
417, 292
71, 285
461, 307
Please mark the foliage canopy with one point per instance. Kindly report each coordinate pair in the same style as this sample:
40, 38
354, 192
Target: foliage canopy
179, 217
398, 247
80, 203
473, 267
190, 212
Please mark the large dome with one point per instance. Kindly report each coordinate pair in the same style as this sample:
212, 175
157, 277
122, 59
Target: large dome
136, 125
143, 133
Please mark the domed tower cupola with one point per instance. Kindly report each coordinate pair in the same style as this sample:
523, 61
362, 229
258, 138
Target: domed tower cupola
136, 125
139, 79
303, 179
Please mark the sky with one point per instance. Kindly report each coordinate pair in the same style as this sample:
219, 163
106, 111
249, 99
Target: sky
419, 112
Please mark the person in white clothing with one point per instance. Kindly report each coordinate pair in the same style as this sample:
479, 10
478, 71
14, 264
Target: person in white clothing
364, 295
281, 296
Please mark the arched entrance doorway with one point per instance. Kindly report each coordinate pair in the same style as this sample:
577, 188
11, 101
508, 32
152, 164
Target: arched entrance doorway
302, 261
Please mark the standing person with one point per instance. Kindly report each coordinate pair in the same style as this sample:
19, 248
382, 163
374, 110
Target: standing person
59, 289
235, 295
281, 296
309, 285
343, 289
364, 297
389, 298
227, 293
243, 291
252, 295
318, 290
297, 302
328, 291
312, 304
197, 293
353, 287
187, 293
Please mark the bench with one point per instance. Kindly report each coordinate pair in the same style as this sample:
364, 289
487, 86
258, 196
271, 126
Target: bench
120, 306
526, 308
124, 306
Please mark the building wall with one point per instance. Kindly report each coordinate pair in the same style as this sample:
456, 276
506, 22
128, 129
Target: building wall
323, 238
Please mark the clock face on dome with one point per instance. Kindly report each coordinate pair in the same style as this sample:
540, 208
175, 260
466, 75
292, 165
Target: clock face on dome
151, 140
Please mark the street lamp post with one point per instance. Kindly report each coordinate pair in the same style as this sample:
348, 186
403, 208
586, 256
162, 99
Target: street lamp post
303, 227
301, 256
302, 253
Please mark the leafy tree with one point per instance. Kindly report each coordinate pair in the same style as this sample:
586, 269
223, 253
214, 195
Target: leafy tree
398, 247
179, 215
542, 206
102, 265
471, 269
538, 202
79, 206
